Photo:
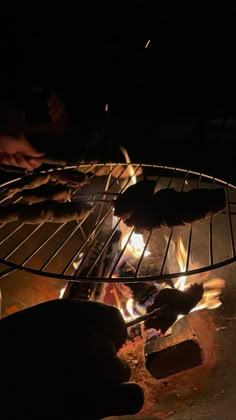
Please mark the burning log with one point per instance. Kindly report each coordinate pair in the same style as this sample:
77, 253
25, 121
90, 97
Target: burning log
46, 211
174, 353
174, 303
179, 351
168, 355
140, 207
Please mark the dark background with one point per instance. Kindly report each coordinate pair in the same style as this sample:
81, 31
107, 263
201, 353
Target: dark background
172, 103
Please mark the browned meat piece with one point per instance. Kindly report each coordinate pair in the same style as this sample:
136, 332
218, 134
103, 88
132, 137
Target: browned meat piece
138, 206
28, 182
8, 214
47, 211
68, 177
184, 207
133, 197
46, 192
144, 216
174, 302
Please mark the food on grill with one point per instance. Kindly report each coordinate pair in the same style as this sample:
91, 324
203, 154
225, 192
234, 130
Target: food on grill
47, 211
134, 197
117, 171
66, 176
72, 178
173, 302
46, 192
28, 182
140, 207
120, 171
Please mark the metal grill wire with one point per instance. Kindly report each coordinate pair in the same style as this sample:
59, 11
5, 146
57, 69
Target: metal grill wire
69, 251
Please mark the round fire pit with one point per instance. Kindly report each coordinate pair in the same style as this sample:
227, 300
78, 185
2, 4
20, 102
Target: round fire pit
100, 258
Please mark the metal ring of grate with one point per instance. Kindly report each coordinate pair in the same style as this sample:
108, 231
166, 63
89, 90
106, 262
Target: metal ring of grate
94, 250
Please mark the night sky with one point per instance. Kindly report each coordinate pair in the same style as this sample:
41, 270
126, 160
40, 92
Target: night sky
176, 96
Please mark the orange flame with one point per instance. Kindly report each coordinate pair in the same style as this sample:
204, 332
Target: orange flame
130, 310
181, 255
212, 287
136, 244
62, 291
131, 169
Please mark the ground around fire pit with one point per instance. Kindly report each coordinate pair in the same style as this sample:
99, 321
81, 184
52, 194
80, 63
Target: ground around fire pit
207, 391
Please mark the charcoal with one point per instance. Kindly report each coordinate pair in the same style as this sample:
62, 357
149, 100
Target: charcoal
174, 359
173, 353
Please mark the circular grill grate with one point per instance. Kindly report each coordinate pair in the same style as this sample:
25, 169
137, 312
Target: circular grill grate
92, 250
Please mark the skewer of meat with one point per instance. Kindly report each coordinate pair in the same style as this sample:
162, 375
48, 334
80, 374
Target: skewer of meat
46, 192
140, 207
47, 211
125, 204
71, 178
117, 171
65, 177
22, 171
28, 182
